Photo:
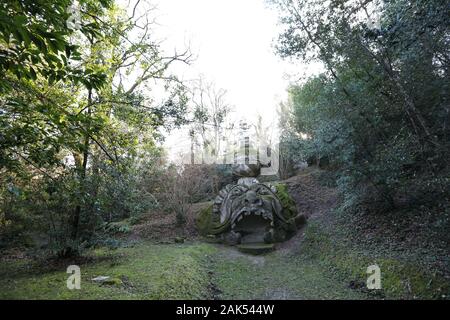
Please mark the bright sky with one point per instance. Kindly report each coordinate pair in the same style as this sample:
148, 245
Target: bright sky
232, 41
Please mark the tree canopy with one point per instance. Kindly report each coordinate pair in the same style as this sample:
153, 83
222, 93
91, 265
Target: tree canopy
379, 114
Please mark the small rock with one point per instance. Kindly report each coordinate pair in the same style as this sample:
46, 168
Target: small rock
107, 280
179, 240
232, 238
300, 220
100, 279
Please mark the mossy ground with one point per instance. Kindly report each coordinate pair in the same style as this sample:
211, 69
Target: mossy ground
185, 271
144, 271
315, 266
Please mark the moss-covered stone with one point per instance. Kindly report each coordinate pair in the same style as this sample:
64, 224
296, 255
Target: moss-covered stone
207, 225
112, 282
256, 248
203, 220
178, 240
289, 207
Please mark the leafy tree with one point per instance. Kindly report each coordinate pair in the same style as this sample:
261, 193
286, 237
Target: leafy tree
379, 112
35, 40
73, 148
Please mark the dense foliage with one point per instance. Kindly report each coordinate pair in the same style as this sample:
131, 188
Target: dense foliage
378, 115
77, 132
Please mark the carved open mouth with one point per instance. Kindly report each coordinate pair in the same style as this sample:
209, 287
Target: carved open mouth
247, 211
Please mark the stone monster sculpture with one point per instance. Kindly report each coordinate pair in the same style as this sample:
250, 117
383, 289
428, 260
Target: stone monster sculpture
250, 211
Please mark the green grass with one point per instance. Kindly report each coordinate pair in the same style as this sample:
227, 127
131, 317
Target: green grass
145, 271
400, 278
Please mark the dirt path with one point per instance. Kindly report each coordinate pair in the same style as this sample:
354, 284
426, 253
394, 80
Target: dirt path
284, 273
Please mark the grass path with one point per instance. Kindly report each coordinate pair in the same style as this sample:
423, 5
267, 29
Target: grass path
276, 275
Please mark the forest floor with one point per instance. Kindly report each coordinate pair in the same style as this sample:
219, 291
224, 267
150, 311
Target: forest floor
322, 261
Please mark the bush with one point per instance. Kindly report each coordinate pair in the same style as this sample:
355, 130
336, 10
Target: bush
42, 208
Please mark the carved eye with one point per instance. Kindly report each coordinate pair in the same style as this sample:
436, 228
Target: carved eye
236, 191
263, 191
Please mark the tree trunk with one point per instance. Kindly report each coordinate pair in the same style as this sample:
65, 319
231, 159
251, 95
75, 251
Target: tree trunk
82, 175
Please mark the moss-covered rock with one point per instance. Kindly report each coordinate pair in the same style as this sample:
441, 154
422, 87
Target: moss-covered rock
203, 220
256, 248
289, 207
207, 224
112, 282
